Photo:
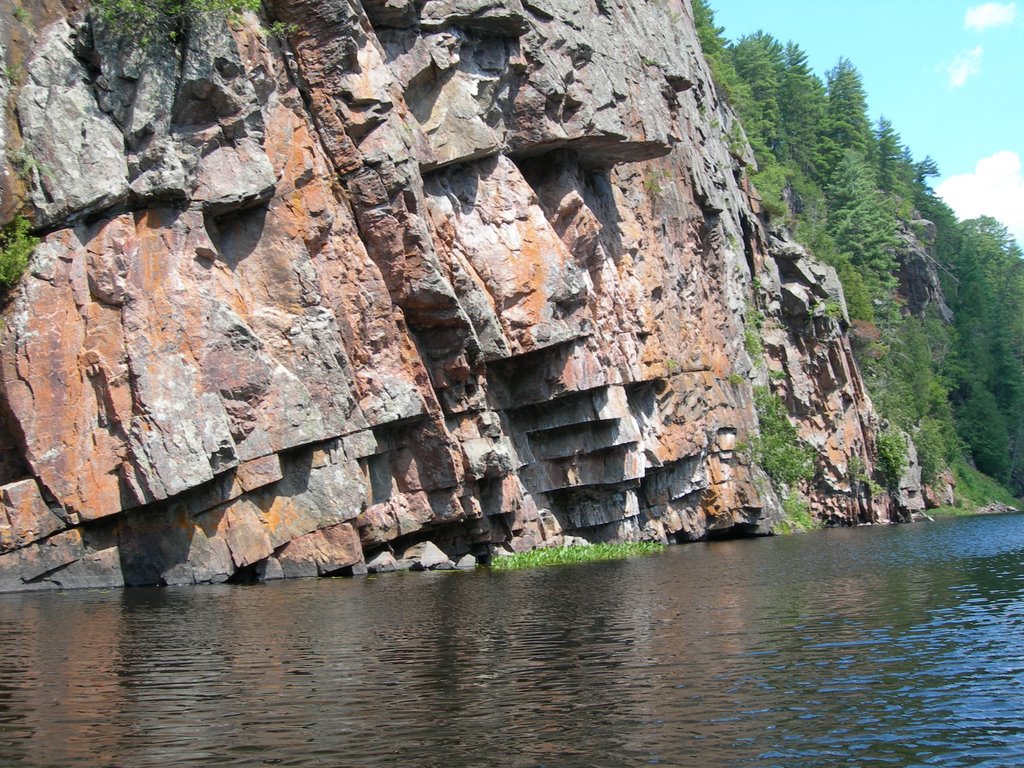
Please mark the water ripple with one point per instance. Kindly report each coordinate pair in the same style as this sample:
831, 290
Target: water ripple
877, 647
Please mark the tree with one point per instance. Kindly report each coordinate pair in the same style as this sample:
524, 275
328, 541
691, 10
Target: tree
16, 247
713, 44
759, 61
893, 161
848, 188
862, 225
847, 128
802, 106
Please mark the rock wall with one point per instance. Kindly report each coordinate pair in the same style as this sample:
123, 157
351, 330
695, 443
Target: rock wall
472, 271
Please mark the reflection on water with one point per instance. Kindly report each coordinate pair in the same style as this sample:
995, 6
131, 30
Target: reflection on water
900, 647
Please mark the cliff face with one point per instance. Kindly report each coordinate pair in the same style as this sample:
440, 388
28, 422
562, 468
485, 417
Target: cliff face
470, 271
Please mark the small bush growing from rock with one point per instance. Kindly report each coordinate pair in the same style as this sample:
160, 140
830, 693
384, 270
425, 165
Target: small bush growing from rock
798, 515
778, 449
892, 458
16, 246
145, 20
753, 321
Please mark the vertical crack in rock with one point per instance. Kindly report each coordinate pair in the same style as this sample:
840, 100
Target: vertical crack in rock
424, 280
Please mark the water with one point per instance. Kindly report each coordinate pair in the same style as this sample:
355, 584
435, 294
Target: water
869, 647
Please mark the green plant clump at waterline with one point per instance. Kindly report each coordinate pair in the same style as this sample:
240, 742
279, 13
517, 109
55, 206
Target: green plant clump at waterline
798, 517
589, 553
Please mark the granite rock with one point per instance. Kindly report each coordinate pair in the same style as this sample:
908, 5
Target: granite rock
468, 273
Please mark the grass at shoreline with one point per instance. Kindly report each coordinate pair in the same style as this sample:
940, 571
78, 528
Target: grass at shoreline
973, 492
978, 490
571, 555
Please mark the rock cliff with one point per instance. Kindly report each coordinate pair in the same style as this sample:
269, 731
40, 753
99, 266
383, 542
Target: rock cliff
477, 272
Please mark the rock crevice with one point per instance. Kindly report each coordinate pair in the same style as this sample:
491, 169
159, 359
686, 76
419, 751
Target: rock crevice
464, 272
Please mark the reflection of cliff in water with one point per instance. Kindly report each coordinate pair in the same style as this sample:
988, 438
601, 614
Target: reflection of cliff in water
836, 647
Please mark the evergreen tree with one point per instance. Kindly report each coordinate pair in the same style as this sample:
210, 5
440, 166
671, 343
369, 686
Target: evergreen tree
892, 160
862, 225
802, 106
953, 388
714, 46
847, 127
759, 61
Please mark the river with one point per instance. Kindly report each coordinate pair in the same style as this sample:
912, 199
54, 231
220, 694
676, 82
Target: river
870, 647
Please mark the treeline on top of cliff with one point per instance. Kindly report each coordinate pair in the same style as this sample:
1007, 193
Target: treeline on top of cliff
853, 192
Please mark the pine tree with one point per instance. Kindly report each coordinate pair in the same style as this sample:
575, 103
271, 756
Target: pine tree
802, 106
891, 159
714, 46
759, 60
862, 225
846, 122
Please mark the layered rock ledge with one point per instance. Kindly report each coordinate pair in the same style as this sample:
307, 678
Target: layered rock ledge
468, 271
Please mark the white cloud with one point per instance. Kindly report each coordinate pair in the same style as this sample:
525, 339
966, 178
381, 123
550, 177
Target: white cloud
964, 66
982, 17
996, 189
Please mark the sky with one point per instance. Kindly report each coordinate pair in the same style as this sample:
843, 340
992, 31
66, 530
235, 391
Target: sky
949, 75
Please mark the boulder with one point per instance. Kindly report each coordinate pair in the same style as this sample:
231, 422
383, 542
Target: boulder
382, 563
427, 557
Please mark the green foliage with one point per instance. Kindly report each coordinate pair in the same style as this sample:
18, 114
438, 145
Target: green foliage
752, 322
797, 515
723, 71
975, 490
652, 183
574, 555
802, 108
851, 190
863, 226
846, 125
144, 21
829, 308
771, 182
281, 30
894, 163
759, 61
24, 164
736, 139
935, 441
984, 431
892, 458
21, 15
778, 449
16, 246
13, 74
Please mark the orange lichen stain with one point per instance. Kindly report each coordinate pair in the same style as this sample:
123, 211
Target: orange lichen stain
153, 250
524, 308
279, 517
710, 503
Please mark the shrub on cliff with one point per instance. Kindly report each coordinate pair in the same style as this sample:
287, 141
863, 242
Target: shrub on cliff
145, 20
778, 449
892, 458
16, 246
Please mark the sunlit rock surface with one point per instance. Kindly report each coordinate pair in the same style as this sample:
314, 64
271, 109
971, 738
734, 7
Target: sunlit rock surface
474, 274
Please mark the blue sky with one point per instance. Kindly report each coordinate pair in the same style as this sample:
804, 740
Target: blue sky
949, 75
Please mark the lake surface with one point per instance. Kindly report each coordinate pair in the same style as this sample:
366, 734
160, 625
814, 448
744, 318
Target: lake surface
869, 647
